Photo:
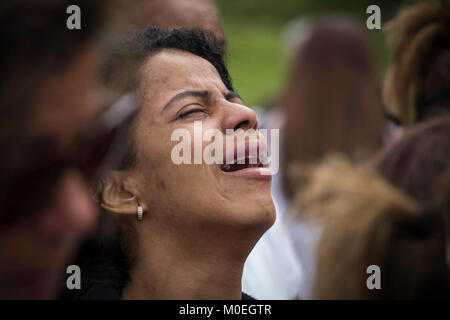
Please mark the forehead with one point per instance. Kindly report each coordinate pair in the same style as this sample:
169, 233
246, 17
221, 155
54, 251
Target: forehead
171, 71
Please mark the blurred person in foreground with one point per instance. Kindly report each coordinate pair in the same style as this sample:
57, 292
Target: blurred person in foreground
52, 136
331, 102
399, 223
418, 81
185, 230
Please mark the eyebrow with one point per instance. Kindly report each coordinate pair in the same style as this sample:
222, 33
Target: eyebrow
188, 93
231, 95
197, 93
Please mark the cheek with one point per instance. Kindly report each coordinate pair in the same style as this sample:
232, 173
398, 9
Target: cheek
169, 187
175, 191
160, 179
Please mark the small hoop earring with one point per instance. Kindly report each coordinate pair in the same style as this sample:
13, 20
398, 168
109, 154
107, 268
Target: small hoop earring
140, 213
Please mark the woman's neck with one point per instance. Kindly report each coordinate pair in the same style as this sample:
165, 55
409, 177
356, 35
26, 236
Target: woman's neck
181, 267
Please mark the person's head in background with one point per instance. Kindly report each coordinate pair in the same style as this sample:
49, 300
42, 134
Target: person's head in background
331, 99
49, 98
397, 223
416, 162
418, 82
374, 235
175, 14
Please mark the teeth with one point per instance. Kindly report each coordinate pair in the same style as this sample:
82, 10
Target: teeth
240, 160
252, 160
264, 159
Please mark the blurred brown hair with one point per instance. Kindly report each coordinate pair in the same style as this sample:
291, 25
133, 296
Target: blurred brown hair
366, 221
418, 82
416, 162
332, 99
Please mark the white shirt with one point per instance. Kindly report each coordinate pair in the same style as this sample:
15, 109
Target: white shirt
281, 265
273, 270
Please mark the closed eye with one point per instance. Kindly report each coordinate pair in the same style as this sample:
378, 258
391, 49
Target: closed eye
191, 113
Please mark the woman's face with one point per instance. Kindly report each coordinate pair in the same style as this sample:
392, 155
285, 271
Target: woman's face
179, 89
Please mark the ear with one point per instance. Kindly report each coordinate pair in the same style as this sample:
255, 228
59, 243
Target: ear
120, 194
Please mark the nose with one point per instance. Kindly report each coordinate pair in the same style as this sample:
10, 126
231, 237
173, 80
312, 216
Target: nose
72, 211
240, 117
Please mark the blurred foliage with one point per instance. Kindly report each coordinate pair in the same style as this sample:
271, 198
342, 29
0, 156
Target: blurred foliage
255, 46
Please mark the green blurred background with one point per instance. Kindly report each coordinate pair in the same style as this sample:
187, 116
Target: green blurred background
254, 31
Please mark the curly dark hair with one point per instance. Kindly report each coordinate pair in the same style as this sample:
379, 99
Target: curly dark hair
122, 66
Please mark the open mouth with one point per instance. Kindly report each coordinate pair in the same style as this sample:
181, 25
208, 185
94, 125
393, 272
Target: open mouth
242, 163
249, 160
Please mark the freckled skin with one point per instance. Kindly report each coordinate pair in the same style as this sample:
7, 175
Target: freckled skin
161, 184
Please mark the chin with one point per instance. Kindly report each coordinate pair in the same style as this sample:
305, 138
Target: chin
256, 214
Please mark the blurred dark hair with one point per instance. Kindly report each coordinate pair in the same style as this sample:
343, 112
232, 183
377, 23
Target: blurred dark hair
418, 81
176, 14
416, 162
122, 69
